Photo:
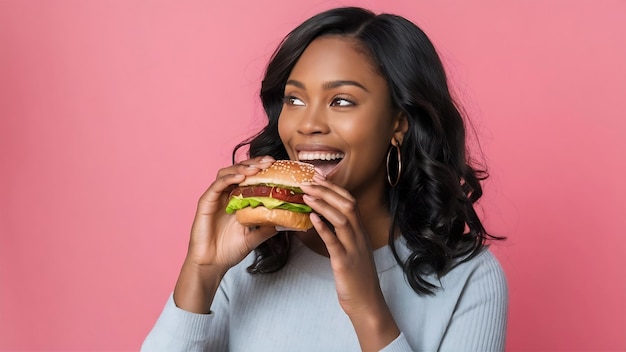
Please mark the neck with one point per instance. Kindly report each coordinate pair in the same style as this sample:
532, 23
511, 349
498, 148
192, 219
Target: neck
374, 215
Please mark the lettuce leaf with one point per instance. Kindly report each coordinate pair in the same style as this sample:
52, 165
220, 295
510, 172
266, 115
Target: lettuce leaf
239, 202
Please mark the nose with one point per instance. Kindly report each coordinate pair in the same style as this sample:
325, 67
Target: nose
313, 121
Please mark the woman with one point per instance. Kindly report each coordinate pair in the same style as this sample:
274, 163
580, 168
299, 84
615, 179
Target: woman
397, 257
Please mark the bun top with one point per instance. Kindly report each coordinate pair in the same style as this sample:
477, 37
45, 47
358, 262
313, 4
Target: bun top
283, 172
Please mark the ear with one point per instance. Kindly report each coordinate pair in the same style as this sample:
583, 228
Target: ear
400, 128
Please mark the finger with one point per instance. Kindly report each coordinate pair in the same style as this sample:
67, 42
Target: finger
332, 242
247, 167
219, 187
258, 235
322, 181
344, 221
336, 201
259, 160
227, 178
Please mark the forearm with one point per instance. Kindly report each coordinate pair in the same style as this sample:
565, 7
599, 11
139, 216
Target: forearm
375, 329
196, 287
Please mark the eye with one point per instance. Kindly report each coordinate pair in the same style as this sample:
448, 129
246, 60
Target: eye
291, 100
341, 102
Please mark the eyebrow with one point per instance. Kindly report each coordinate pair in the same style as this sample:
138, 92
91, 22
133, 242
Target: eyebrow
329, 85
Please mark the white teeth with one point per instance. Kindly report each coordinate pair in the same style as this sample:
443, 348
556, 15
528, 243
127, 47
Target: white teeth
319, 156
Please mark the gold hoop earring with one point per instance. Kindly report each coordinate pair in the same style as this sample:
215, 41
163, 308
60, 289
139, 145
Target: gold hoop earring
397, 147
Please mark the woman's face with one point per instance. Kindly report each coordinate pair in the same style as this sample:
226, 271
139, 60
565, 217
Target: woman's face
338, 114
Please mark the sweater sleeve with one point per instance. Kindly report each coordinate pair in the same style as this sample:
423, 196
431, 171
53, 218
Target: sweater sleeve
400, 344
180, 330
479, 319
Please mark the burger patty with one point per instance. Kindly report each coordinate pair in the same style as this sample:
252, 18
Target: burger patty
284, 194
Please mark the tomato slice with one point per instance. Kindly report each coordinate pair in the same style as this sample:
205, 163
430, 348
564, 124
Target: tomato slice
284, 194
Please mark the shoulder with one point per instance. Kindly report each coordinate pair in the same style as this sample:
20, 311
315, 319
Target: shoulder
482, 273
482, 266
484, 258
480, 297
484, 263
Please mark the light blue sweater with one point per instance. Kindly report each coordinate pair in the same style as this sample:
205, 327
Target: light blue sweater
296, 309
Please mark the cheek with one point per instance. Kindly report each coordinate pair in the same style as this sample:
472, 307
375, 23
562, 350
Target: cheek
282, 129
369, 133
285, 132
370, 148
375, 146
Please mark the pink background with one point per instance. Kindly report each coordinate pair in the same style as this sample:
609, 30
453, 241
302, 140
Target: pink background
115, 116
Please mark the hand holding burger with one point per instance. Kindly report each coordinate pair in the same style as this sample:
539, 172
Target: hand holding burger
273, 197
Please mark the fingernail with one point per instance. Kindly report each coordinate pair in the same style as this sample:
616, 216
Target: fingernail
315, 218
319, 172
317, 177
308, 198
267, 159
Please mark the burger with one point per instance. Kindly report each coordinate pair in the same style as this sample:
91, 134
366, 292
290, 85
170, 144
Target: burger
273, 197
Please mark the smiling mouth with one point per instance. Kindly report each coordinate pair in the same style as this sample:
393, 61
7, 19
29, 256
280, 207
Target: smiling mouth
326, 162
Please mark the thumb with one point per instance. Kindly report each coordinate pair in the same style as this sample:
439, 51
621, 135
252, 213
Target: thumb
259, 234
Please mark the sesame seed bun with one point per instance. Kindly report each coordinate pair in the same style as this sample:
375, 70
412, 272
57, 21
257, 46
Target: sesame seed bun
281, 174
262, 216
288, 173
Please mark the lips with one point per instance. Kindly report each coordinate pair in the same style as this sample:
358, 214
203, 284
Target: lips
324, 158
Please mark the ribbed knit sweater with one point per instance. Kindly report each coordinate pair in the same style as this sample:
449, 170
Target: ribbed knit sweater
296, 309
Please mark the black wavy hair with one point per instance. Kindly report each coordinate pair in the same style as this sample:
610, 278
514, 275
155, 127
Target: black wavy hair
432, 205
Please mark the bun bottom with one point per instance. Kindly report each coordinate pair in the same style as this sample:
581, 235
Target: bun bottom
262, 216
